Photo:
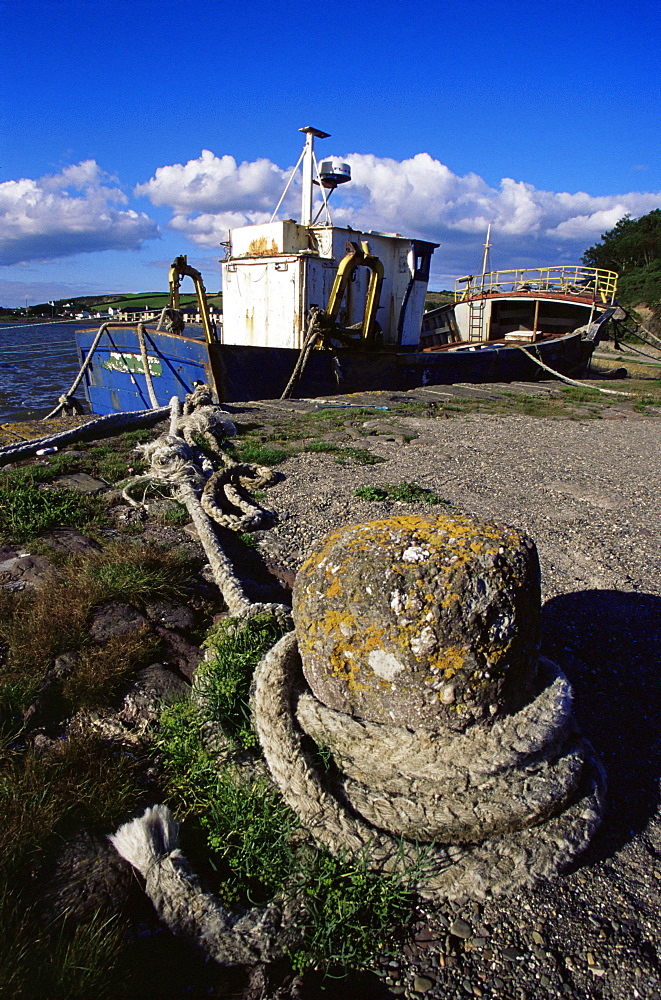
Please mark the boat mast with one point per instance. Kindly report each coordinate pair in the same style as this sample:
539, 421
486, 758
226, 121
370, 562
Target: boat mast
485, 258
308, 171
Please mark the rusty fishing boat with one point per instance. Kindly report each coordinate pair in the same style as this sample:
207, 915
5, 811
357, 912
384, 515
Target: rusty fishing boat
313, 309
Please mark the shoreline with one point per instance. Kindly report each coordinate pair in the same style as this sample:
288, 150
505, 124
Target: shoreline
588, 492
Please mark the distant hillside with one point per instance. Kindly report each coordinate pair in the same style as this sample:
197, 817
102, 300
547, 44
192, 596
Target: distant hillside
101, 303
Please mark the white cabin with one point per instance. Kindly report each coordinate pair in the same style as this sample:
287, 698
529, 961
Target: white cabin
275, 273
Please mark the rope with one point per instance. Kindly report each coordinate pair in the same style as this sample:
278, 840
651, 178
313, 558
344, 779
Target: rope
493, 865
176, 462
145, 365
572, 381
312, 333
64, 398
93, 428
150, 844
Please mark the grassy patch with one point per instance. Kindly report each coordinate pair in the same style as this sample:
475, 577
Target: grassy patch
27, 511
62, 959
82, 781
253, 840
405, 492
259, 851
101, 670
45, 797
236, 648
37, 626
249, 450
361, 456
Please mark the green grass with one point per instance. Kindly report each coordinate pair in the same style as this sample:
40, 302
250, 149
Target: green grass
26, 511
249, 450
405, 492
251, 837
235, 649
255, 844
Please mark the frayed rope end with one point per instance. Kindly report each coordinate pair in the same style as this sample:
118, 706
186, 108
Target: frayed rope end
144, 840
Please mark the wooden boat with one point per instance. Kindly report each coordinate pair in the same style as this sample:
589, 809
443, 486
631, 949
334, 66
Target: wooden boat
315, 309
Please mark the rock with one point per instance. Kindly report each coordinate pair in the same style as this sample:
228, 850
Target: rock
178, 652
152, 687
422, 985
170, 615
126, 516
24, 570
115, 619
80, 482
461, 929
90, 878
70, 541
48, 709
420, 621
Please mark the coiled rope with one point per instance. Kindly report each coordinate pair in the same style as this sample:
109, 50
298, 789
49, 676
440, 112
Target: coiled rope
497, 807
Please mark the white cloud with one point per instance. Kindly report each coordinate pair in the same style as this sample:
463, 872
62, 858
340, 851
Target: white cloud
419, 196
68, 213
216, 184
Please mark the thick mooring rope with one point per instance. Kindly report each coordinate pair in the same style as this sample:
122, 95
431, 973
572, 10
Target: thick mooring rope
90, 429
150, 844
495, 864
496, 807
565, 378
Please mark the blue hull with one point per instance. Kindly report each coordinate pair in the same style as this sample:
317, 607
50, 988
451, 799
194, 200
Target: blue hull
115, 380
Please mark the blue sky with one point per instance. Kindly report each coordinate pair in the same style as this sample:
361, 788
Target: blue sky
541, 118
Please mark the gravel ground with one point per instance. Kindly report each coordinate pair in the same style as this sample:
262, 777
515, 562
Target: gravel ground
589, 493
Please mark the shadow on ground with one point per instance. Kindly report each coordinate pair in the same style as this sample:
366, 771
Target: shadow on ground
608, 644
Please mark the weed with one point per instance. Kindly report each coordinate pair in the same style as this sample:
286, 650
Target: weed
134, 574
361, 456
351, 911
249, 831
190, 768
260, 454
79, 781
576, 394
323, 446
247, 539
259, 851
101, 670
41, 625
26, 510
176, 515
404, 492
62, 959
371, 493
236, 648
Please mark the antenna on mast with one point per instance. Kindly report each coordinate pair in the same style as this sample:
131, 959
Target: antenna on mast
308, 170
329, 175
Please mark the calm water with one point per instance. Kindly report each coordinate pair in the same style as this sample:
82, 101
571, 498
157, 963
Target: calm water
37, 364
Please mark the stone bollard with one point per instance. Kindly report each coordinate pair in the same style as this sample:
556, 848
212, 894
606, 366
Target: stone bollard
421, 622
452, 738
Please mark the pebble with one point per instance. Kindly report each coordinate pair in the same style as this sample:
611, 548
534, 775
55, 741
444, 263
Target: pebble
461, 929
421, 984
512, 953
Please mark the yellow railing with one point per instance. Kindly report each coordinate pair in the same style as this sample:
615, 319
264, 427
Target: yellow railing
586, 282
